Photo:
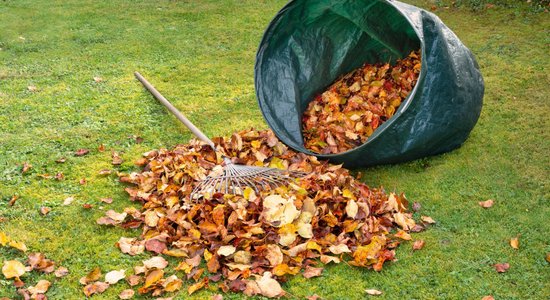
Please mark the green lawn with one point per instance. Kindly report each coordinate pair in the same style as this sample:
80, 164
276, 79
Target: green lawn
200, 54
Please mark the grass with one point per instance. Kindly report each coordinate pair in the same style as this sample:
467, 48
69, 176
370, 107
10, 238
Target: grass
200, 54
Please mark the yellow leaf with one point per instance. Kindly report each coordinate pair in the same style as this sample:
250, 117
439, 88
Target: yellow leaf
277, 163
514, 242
311, 245
4, 239
153, 277
403, 235
207, 255
348, 194
256, 144
18, 245
13, 268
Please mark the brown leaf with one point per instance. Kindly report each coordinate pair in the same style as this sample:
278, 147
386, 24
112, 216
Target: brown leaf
81, 152
61, 272
427, 220
373, 292
41, 287
117, 160
548, 257
488, 298
126, 294
155, 246
106, 200
312, 272
87, 206
486, 204
130, 246
416, 206
269, 287
105, 172
502, 267
82, 181
13, 268
157, 262
95, 288
26, 167
313, 297
418, 244
44, 210
153, 277
133, 280
61, 160
197, 286
13, 199
101, 148
217, 297
514, 242
403, 235
94, 275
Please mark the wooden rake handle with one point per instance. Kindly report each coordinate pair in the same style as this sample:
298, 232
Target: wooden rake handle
197, 132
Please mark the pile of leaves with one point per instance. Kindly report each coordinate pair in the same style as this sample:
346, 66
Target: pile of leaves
350, 110
250, 243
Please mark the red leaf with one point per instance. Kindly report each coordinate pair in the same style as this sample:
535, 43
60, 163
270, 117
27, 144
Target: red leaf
81, 152
502, 267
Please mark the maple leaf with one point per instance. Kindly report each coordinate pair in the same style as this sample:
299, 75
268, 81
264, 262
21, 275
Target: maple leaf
486, 204
13, 268
502, 267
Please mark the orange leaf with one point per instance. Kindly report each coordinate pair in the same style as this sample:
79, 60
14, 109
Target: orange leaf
486, 204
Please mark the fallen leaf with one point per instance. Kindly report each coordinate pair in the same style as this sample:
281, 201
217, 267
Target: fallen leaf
490, 297
514, 242
32, 88
548, 257
486, 204
26, 167
98, 79
95, 288
81, 152
130, 246
41, 287
106, 200
418, 244
126, 294
226, 250
403, 235
13, 199
44, 210
105, 172
172, 284
18, 245
4, 239
416, 206
61, 272
68, 201
153, 277
94, 275
502, 267
339, 249
13, 268
155, 246
217, 297
134, 280
352, 208
82, 181
427, 220
61, 160
157, 262
269, 287
313, 297
312, 272
115, 276
117, 160
101, 148
197, 286
373, 292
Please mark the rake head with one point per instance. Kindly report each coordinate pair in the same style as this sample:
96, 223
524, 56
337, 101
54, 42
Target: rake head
236, 178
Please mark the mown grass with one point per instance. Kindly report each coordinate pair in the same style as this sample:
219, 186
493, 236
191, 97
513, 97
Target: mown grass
201, 56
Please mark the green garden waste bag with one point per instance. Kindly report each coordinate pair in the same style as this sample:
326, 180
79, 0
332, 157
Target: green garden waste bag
310, 43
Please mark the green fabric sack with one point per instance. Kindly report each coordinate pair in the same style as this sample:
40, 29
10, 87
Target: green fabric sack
310, 43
